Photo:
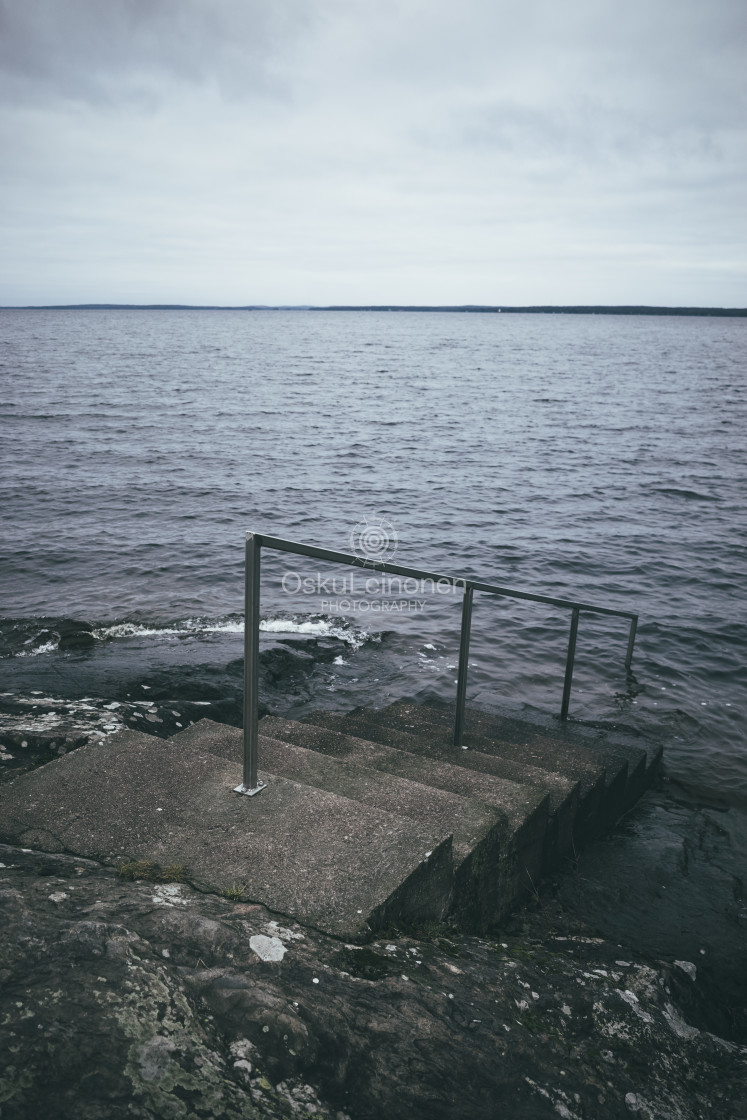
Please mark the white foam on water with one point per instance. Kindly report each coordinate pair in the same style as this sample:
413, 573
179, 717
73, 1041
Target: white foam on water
134, 630
311, 626
45, 647
177, 629
230, 627
319, 627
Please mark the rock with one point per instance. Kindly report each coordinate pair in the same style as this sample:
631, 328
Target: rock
72, 634
76, 639
43, 638
35, 729
121, 999
72, 626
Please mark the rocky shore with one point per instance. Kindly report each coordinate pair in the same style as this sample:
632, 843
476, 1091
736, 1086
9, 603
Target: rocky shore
35, 728
620, 990
146, 998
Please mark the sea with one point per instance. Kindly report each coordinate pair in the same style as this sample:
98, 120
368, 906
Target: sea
594, 458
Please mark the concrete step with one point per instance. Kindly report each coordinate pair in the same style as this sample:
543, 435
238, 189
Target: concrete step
524, 807
627, 767
605, 792
512, 726
484, 831
567, 799
609, 744
332, 862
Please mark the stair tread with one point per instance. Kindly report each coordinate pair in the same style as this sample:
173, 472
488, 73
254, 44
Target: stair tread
494, 873
595, 737
518, 738
578, 763
558, 786
468, 819
627, 768
518, 802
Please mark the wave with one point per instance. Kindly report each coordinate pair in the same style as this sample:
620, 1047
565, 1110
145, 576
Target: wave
691, 495
321, 626
30, 638
45, 647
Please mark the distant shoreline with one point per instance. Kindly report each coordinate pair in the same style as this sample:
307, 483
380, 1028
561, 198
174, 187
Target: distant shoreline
543, 309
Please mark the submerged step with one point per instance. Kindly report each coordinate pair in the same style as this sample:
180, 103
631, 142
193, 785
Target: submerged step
355, 723
320, 857
579, 745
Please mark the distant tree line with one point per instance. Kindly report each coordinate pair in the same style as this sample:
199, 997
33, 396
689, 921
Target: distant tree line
540, 309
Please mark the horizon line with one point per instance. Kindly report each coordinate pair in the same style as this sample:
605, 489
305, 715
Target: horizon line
558, 309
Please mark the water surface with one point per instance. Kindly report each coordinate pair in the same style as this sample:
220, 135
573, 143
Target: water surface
598, 458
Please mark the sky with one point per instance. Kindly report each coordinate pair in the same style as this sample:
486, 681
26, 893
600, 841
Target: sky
345, 151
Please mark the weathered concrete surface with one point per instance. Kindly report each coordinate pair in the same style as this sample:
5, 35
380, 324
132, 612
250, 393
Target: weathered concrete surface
302, 851
351, 832
468, 820
615, 751
518, 802
424, 722
598, 737
128, 1000
480, 898
611, 777
498, 827
327, 733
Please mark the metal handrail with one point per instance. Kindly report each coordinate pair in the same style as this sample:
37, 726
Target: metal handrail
255, 542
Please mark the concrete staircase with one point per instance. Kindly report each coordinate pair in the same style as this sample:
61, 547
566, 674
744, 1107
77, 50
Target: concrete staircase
369, 819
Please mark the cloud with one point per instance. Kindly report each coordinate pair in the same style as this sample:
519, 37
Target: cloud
342, 151
121, 49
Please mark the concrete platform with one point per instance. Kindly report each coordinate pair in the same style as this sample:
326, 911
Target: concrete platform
610, 768
593, 745
497, 827
566, 804
368, 819
484, 889
331, 862
469, 821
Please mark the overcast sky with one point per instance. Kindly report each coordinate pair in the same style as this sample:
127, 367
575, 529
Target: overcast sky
373, 151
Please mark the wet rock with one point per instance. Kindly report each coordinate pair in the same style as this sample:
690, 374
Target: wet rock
74, 634
35, 729
72, 626
76, 639
121, 999
43, 639
669, 881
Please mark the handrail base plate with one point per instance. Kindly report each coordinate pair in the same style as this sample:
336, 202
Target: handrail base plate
250, 792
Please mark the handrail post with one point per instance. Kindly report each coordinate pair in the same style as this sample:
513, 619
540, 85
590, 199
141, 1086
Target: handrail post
251, 783
631, 641
569, 665
463, 665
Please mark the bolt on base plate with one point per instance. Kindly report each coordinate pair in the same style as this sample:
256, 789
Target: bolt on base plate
250, 792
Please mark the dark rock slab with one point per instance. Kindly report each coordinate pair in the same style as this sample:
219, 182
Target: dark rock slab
121, 1000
